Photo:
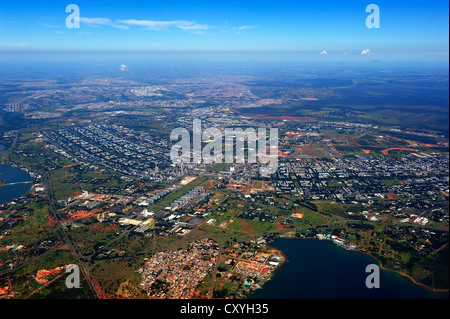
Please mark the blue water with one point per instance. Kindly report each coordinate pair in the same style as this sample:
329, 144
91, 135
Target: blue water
322, 270
12, 175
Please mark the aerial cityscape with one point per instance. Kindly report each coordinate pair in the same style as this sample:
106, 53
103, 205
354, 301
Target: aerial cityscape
227, 162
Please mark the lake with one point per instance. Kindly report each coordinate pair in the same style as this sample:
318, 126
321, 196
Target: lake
17, 183
319, 269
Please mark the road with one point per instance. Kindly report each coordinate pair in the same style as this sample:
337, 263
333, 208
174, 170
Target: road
214, 273
80, 263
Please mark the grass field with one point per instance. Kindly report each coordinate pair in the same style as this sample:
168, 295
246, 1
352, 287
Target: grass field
177, 194
250, 227
32, 227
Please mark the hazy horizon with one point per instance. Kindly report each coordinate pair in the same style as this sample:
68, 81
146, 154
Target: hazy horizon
328, 30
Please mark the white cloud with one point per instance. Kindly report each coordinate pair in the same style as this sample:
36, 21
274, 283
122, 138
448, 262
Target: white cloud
123, 67
185, 25
324, 52
245, 27
194, 27
102, 21
366, 52
96, 21
48, 25
164, 25
118, 26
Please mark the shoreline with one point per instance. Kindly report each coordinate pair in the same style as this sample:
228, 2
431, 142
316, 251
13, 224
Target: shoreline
280, 265
11, 179
429, 289
273, 274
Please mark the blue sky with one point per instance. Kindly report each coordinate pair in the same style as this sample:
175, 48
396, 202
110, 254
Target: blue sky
336, 27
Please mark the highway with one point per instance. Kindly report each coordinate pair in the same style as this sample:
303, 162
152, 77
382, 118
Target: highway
80, 262
214, 273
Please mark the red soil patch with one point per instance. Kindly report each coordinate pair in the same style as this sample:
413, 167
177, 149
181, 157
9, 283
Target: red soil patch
281, 227
43, 274
51, 221
81, 214
5, 290
386, 151
335, 150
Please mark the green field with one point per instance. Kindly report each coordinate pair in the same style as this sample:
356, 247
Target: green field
177, 194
